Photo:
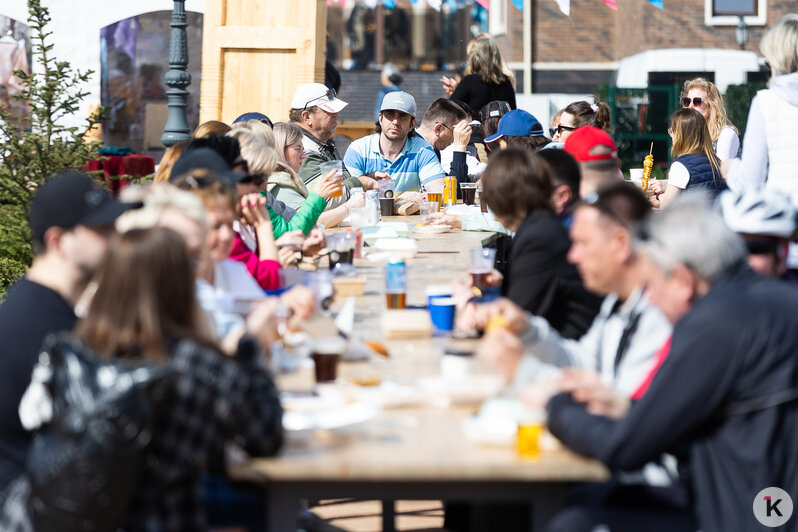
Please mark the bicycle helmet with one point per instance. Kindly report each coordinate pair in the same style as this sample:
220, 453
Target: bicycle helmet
758, 212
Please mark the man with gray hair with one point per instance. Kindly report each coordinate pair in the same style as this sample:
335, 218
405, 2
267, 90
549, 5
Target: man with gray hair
726, 394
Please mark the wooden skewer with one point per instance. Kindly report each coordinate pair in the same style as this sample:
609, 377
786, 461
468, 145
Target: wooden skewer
651, 150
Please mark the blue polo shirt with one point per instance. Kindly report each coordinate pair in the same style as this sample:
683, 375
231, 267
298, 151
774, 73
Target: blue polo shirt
416, 165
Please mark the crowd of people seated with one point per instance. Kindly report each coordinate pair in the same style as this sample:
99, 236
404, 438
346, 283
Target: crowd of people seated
657, 329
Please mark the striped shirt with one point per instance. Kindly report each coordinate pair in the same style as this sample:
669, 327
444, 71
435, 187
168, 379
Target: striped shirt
416, 165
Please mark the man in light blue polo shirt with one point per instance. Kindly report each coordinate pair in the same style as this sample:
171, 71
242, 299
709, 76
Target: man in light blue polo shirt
396, 151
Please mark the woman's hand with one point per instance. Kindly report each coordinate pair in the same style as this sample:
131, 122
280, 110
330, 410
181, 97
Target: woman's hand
314, 243
253, 210
449, 84
288, 257
330, 184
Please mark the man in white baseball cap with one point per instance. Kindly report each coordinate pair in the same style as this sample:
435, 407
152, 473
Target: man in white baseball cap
315, 109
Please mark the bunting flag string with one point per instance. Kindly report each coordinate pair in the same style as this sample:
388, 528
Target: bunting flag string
565, 7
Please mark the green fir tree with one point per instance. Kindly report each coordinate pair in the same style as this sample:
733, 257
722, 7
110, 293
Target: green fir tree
40, 146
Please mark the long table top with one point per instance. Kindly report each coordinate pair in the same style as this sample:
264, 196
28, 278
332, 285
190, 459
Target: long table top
420, 443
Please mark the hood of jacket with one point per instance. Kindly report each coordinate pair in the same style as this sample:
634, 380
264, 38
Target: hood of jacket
786, 87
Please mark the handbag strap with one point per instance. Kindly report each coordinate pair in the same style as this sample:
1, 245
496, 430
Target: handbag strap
760, 403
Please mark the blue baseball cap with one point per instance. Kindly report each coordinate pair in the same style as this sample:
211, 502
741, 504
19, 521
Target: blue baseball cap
517, 123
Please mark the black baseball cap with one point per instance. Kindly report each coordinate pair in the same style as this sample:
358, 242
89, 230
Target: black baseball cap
209, 160
70, 199
494, 109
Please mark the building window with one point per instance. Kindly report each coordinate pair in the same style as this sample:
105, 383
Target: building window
727, 12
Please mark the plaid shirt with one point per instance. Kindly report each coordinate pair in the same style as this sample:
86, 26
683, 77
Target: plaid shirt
215, 400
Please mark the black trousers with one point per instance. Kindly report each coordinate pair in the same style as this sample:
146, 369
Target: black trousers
615, 507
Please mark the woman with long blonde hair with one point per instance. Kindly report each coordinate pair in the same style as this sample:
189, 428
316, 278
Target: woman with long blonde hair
486, 79
704, 97
286, 185
695, 165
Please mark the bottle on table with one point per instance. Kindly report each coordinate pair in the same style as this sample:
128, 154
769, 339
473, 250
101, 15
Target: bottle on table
396, 283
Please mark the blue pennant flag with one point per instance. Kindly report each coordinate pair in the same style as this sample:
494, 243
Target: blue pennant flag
656, 3
519, 4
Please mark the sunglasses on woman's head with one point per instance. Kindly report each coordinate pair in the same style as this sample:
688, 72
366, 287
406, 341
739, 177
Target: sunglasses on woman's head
697, 102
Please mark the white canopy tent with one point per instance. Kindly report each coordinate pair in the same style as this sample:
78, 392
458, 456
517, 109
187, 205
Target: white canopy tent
730, 66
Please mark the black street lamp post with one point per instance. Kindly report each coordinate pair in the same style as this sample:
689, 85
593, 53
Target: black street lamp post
177, 79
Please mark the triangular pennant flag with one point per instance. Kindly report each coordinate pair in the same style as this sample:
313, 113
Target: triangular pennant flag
565, 6
612, 4
389, 4
656, 3
519, 4
484, 3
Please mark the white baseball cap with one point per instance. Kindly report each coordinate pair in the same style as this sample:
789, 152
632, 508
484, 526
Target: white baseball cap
399, 101
317, 95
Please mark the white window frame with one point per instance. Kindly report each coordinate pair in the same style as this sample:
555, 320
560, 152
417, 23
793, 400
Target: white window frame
497, 17
730, 20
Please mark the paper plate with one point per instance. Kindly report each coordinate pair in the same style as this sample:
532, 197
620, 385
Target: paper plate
432, 229
337, 417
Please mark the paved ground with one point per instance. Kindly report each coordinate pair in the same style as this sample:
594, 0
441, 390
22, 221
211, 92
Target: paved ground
366, 516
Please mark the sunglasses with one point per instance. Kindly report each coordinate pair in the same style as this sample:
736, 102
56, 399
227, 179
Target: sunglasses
392, 114
594, 200
559, 129
697, 102
329, 96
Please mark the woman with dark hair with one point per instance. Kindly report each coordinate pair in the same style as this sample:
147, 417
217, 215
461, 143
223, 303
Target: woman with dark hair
517, 187
144, 309
578, 114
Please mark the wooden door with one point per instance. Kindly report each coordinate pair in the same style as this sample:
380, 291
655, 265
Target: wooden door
256, 52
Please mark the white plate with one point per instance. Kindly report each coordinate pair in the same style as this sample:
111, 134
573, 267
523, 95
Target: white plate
471, 389
432, 229
331, 418
389, 395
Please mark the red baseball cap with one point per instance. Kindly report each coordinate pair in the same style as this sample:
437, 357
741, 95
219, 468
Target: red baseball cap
582, 141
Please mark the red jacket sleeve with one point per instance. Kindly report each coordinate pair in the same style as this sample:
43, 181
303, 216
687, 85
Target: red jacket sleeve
265, 272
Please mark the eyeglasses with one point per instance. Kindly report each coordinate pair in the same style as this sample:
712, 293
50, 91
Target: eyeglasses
330, 95
697, 102
559, 129
594, 200
444, 125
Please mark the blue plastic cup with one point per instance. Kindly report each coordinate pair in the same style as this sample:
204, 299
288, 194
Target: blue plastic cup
436, 291
441, 311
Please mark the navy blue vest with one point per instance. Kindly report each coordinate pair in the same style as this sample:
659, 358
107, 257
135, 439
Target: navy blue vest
701, 173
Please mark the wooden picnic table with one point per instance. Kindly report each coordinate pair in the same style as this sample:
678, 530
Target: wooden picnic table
414, 452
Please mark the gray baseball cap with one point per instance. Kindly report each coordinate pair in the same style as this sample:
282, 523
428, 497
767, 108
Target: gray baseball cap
399, 101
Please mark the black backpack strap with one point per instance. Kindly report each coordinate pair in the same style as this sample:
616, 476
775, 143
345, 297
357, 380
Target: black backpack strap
760, 403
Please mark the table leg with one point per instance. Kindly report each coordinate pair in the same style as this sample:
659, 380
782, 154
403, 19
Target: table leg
388, 515
282, 510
